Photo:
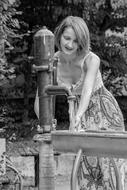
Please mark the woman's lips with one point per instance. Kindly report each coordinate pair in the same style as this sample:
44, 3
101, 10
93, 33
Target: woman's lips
69, 49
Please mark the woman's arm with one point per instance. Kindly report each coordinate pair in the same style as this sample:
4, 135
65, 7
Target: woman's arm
36, 105
92, 65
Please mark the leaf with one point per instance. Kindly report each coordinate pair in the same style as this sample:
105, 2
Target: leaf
5, 6
105, 63
2, 77
4, 82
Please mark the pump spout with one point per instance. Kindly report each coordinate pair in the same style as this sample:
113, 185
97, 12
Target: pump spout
57, 90
61, 90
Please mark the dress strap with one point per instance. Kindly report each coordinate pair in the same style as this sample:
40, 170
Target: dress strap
87, 55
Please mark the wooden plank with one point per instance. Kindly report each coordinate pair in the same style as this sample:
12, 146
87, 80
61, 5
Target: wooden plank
26, 166
93, 143
2, 157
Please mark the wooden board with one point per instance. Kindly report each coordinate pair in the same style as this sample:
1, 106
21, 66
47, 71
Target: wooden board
93, 143
26, 166
2, 157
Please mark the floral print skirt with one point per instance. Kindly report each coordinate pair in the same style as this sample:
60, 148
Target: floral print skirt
103, 113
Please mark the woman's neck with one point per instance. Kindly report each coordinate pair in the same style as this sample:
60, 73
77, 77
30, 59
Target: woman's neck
69, 59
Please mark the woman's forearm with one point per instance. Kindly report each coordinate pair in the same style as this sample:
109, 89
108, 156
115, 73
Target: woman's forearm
83, 105
87, 89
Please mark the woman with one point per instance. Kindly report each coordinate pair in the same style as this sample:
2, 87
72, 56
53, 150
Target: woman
95, 108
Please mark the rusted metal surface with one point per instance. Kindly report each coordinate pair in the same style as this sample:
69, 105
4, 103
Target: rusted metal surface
44, 51
43, 54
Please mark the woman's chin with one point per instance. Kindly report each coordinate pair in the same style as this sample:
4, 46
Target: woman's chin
69, 53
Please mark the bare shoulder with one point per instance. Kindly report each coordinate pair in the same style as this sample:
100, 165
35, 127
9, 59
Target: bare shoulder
93, 60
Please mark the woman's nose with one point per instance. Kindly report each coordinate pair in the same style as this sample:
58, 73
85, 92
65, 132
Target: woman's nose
70, 44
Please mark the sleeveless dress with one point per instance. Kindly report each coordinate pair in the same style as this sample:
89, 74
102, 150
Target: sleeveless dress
103, 113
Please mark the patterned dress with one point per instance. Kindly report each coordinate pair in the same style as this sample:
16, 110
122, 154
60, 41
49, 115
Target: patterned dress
103, 113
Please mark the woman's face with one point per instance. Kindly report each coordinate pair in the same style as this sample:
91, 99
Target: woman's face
68, 42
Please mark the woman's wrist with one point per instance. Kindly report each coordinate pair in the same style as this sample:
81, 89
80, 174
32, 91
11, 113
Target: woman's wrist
78, 116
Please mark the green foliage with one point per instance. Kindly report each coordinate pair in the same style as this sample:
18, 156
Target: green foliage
8, 29
111, 48
11, 120
9, 23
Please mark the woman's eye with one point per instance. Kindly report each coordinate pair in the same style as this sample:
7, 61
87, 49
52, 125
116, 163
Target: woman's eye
69, 38
66, 38
75, 41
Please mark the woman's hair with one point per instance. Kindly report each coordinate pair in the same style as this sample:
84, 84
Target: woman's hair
81, 31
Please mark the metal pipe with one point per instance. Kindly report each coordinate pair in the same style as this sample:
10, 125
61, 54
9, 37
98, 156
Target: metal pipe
44, 52
57, 90
61, 90
75, 170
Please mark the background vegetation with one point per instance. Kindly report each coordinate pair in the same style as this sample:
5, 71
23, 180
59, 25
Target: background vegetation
107, 22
